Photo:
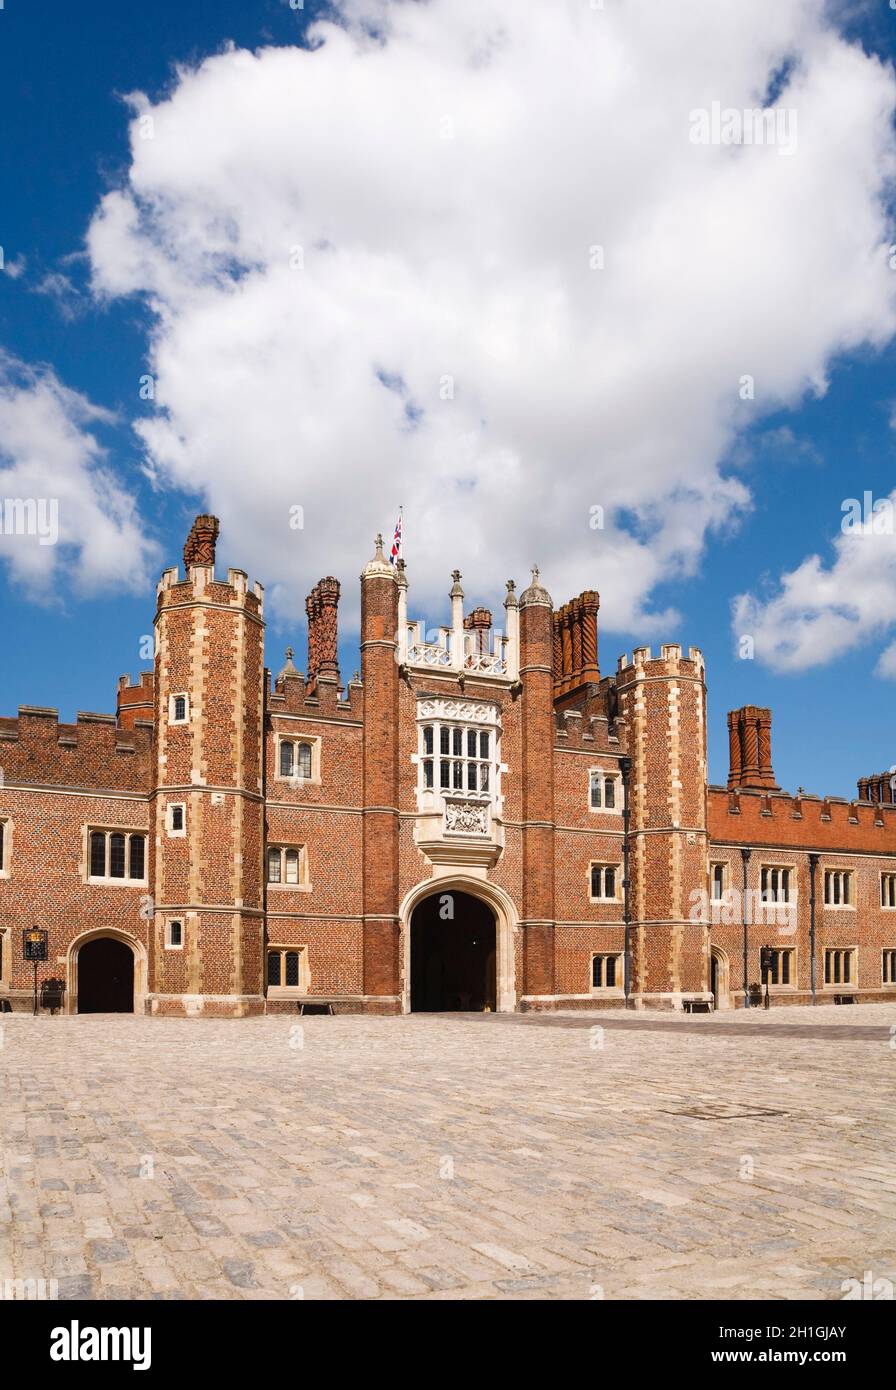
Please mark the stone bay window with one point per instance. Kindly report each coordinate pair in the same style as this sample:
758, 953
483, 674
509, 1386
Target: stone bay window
458, 768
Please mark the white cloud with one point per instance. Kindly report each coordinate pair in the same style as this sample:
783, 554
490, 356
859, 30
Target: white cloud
886, 666
446, 179
60, 288
822, 612
64, 516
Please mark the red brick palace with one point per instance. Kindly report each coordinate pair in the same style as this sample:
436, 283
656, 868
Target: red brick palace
451, 830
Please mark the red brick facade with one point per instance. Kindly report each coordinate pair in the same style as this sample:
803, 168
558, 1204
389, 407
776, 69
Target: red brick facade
260, 845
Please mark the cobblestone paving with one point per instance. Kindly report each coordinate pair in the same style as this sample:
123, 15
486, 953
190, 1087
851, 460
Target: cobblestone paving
568, 1157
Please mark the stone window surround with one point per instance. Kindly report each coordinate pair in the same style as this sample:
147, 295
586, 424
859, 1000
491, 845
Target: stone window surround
849, 875
607, 775
887, 975
470, 713
172, 945
617, 871
884, 875
767, 866
293, 778
106, 881
172, 718
171, 833
607, 990
840, 985
303, 885
726, 879
298, 991
789, 988
6, 848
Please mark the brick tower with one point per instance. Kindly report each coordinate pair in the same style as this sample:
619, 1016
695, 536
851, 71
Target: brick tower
663, 702
206, 945
379, 673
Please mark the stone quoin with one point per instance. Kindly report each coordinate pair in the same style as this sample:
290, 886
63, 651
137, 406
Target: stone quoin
444, 831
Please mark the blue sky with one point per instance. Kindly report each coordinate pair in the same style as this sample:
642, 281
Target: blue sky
63, 72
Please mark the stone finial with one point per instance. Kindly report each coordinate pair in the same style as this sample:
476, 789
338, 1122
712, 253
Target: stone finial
400, 574
511, 601
379, 565
200, 545
289, 669
456, 590
536, 592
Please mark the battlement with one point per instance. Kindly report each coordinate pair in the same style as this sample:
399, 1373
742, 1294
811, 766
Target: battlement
136, 699
290, 694
752, 816
200, 582
579, 729
669, 662
37, 750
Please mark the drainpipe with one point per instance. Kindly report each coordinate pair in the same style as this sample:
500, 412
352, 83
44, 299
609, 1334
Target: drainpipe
625, 768
813, 865
745, 856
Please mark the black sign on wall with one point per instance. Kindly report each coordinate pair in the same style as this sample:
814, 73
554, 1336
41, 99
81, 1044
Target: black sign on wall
34, 944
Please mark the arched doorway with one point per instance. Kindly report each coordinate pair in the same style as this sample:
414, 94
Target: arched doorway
718, 978
105, 977
453, 954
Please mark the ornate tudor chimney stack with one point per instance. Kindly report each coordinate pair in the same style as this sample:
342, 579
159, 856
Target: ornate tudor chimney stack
323, 641
750, 749
575, 643
199, 548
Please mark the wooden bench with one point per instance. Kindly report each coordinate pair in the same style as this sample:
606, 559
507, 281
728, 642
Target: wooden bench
844, 998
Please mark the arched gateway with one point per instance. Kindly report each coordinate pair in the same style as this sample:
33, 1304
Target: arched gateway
106, 974
453, 955
458, 947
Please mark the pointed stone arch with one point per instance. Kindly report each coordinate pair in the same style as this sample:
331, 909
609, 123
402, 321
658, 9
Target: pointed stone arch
506, 923
720, 977
99, 934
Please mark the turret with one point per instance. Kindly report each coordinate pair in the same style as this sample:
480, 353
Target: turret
380, 675
208, 797
663, 701
536, 620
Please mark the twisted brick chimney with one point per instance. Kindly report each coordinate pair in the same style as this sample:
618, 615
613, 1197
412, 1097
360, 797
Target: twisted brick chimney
200, 544
575, 643
321, 608
750, 749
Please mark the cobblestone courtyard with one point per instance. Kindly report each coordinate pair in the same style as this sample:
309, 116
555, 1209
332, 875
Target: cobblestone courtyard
638, 1156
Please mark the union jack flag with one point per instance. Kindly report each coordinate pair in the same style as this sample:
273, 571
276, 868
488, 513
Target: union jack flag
395, 552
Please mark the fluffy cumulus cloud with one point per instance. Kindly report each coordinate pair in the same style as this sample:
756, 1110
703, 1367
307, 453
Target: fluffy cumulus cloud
65, 518
819, 612
464, 256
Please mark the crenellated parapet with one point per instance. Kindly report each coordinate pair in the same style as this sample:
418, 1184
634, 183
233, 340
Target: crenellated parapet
136, 699
95, 752
750, 816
